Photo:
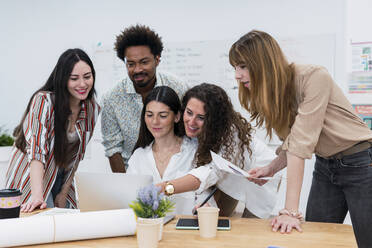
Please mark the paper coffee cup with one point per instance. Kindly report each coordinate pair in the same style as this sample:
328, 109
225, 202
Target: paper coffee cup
10, 203
208, 218
147, 235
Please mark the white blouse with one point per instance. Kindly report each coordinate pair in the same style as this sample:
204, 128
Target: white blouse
142, 162
259, 200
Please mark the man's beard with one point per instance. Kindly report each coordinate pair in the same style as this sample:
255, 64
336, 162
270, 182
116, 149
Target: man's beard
141, 84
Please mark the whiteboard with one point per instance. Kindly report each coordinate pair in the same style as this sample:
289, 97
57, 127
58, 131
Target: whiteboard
208, 61
198, 62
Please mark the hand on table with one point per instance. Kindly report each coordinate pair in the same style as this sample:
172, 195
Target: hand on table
33, 204
285, 224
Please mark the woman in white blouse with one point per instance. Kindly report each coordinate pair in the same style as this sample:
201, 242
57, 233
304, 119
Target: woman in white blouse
209, 115
162, 150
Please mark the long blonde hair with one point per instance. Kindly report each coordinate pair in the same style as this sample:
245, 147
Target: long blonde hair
271, 99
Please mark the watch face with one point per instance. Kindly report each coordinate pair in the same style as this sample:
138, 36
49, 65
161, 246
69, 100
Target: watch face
169, 189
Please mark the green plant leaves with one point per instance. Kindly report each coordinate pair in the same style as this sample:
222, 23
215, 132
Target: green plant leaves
5, 139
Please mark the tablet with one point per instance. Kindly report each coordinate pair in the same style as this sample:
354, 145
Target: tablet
192, 224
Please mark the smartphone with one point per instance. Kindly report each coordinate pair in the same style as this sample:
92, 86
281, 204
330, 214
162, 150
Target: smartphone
192, 224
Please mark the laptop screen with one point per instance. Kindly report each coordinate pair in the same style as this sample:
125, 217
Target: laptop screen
105, 191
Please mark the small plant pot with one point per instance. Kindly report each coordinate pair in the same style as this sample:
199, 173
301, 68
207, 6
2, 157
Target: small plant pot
147, 235
158, 221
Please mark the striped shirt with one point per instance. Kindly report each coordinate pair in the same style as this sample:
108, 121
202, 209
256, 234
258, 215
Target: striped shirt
38, 129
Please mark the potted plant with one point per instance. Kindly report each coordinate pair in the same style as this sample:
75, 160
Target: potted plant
152, 206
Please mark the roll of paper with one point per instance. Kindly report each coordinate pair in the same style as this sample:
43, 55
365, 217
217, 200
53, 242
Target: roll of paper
67, 227
91, 225
26, 231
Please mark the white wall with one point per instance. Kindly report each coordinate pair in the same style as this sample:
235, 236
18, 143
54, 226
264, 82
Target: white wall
359, 20
35, 33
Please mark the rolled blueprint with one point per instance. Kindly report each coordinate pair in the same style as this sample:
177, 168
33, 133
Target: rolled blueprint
67, 227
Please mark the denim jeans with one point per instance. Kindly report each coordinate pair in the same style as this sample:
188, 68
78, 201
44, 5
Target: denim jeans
341, 185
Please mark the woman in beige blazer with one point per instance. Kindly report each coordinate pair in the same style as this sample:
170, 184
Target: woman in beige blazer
311, 115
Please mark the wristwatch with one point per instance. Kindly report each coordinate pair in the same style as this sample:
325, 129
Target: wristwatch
169, 188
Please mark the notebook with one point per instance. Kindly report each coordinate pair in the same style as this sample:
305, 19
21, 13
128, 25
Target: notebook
105, 191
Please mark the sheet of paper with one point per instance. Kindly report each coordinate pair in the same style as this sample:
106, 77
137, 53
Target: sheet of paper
55, 211
229, 167
260, 200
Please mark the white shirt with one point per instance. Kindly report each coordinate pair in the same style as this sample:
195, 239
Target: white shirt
142, 162
260, 200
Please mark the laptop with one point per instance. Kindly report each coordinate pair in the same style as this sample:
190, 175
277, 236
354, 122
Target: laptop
105, 191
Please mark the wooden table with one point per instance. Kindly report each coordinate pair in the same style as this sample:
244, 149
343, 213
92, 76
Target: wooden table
243, 233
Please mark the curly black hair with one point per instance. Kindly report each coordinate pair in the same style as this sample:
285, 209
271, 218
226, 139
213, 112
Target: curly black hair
223, 127
139, 35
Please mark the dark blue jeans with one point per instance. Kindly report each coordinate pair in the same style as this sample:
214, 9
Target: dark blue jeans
341, 185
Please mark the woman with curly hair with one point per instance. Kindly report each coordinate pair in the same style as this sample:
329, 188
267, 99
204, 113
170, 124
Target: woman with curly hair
215, 125
209, 116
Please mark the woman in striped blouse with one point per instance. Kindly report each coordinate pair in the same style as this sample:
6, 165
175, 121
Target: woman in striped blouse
53, 133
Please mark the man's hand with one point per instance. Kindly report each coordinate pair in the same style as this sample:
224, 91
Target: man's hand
117, 163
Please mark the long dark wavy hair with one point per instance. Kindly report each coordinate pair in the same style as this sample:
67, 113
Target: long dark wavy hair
221, 126
169, 97
57, 84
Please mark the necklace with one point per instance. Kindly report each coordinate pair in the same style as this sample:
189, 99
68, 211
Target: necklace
73, 118
162, 157
71, 123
